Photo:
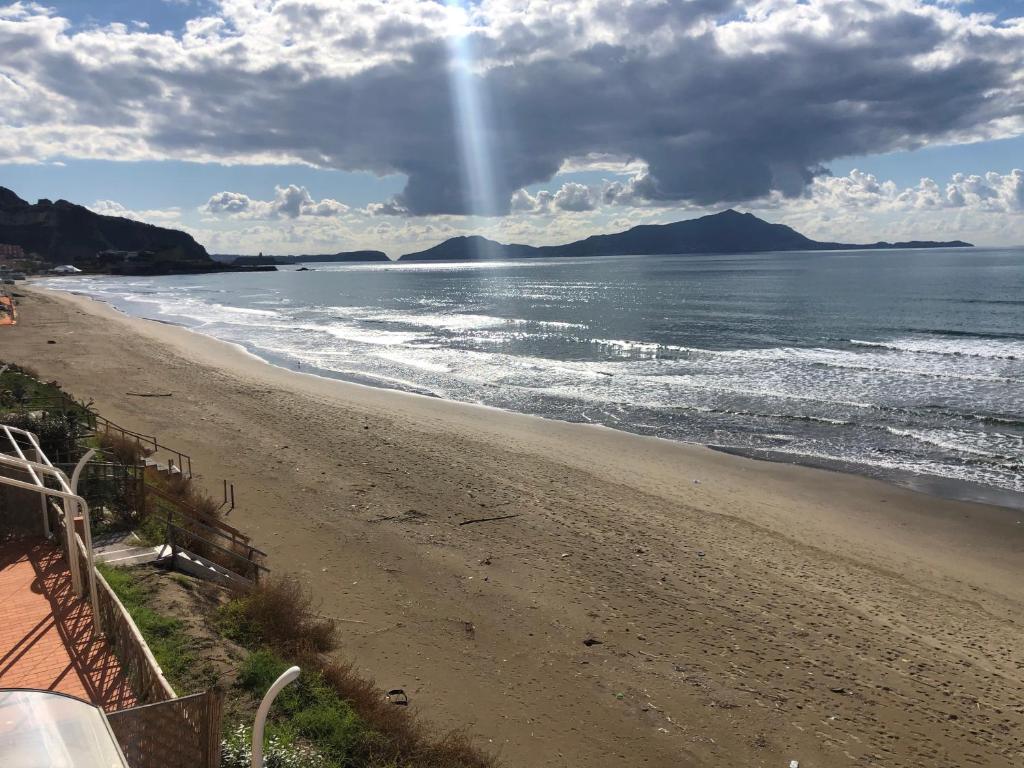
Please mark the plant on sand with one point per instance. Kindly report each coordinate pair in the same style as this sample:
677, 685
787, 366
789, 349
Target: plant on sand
123, 448
278, 752
279, 614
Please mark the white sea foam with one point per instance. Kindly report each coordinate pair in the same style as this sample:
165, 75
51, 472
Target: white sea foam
370, 336
993, 445
903, 402
958, 346
421, 362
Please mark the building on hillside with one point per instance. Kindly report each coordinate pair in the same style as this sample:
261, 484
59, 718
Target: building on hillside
122, 256
11, 252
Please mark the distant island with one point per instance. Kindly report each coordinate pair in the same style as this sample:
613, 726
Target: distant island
62, 234
51, 234
725, 232
345, 257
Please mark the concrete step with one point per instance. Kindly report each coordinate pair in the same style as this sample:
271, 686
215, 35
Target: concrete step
130, 556
115, 540
122, 549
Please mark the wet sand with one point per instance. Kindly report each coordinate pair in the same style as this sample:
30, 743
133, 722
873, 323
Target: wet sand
748, 613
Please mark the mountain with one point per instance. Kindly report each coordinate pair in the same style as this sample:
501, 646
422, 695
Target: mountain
65, 233
725, 232
344, 257
464, 248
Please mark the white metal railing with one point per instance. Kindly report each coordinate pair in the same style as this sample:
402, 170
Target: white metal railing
38, 471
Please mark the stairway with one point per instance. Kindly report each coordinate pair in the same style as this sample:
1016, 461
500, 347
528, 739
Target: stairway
167, 469
201, 568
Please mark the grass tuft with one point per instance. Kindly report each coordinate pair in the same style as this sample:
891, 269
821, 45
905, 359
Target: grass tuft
122, 448
164, 635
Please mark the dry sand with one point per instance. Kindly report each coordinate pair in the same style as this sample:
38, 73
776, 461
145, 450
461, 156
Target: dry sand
765, 613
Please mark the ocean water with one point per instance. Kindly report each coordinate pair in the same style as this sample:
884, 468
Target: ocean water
903, 365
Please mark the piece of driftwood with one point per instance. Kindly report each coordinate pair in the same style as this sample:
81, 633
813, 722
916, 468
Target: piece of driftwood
488, 519
150, 394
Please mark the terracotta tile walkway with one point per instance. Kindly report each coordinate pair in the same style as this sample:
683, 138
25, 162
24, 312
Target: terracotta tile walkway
46, 637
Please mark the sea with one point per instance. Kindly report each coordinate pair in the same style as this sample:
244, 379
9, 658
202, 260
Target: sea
904, 365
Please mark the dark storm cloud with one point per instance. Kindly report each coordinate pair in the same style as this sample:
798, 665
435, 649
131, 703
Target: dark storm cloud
717, 116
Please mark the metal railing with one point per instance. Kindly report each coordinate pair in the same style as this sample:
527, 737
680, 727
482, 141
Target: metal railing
151, 446
241, 558
140, 667
187, 510
38, 471
113, 485
147, 442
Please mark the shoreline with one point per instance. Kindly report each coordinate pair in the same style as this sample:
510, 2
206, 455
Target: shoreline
731, 597
951, 489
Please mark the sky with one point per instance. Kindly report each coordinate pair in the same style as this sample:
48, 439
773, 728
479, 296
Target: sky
316, 126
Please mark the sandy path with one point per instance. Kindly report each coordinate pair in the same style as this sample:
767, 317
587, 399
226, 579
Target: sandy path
766, 613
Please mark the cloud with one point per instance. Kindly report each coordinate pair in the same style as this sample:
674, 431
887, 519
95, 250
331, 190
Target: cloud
289, 202
574, 197
231, 203
721, 101
167, 217
389, 208
991, 193
858, 207
571, 197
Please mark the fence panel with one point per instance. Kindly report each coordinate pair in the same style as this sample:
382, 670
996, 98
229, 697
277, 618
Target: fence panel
141, 669
180, 733
110, 485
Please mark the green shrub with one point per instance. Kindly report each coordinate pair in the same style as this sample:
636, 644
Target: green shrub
260, 670
314, 709
332, 726
58, 433
152, 530
278, 752
122, 448
278, 613
165, 636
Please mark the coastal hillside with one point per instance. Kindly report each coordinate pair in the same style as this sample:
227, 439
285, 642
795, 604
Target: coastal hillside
725, 232
343, 257
464, 247
64, 233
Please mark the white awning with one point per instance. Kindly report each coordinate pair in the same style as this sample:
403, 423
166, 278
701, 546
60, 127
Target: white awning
43, 728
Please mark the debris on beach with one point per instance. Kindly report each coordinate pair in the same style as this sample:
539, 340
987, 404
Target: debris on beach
488, 519
591, 641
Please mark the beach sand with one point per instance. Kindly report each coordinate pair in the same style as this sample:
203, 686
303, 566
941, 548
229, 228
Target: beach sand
748, 613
